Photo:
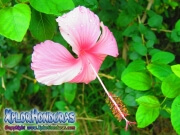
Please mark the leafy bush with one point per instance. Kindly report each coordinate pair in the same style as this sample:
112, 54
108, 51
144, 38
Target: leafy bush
146, 74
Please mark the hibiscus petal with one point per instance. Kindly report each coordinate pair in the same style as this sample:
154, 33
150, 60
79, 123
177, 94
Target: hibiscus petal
80, 28
87, 74
53, 64
106, 44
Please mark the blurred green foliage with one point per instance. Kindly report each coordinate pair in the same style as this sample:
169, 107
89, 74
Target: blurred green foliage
146, 74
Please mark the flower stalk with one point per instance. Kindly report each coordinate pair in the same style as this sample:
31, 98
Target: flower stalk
117, 108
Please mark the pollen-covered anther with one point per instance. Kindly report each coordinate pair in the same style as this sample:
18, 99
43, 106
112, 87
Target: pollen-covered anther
114, 109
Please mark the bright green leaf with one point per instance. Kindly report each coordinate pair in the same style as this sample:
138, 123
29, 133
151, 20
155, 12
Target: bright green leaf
145, 116
55, 7
42, 26
15, 21
70, 92
163, 57
137, 80
175, 117
12, 60
176, 69
148, 101
160, 71
136, 65
171, 86
2, 72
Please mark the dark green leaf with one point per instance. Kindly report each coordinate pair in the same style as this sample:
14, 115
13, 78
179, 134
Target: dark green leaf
55, 7
175, 35
129, 100
175, 117
92, 4
70, 92
171, 86
155, 21
131, 30
2, 72
177, 25
12, 60
140, 48
145, 116
42, 26
124, 19
61, 105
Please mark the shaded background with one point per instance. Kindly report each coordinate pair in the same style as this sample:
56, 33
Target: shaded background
142, 28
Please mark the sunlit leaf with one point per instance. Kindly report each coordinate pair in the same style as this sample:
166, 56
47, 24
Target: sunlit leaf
160, 71
175, 117
145, 116
15, 21
148, 101
137, 80
171, 86
176, 69
52, 6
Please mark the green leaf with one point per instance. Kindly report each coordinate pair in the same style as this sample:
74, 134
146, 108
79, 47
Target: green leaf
160, 71
148, 101
55, 7
2, 72
155, 21
61, 105
129, 100
171, 86
137, 80
163, 57
136, 65
145, 116
140, 48
131, 30
12, 60
177, 25
3, 3
70, 92
15, 21
124, 19
176, 69
175, 117
42, 26
175, 35
92, 4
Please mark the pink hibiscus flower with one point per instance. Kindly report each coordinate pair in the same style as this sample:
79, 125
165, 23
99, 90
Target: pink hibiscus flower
53, 64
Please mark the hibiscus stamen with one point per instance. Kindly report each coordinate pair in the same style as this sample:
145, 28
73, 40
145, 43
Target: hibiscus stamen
122, 115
